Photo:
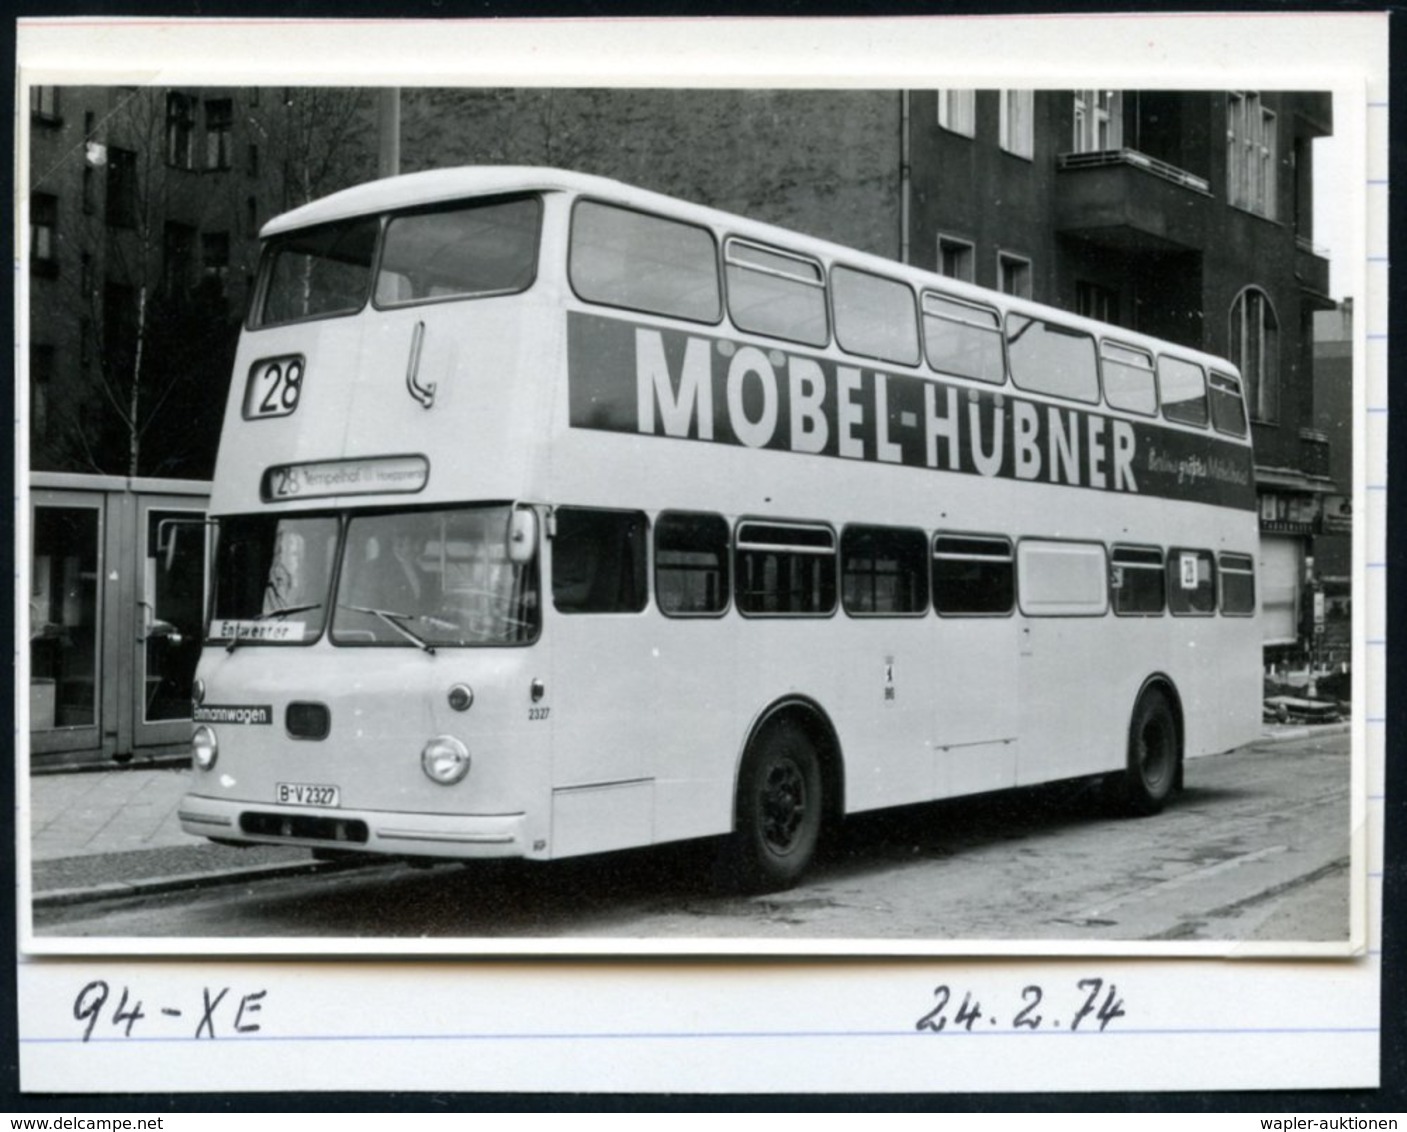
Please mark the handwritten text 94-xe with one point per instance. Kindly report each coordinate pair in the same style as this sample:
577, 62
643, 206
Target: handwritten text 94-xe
217, 1014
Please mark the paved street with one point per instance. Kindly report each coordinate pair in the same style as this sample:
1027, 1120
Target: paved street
1256, 847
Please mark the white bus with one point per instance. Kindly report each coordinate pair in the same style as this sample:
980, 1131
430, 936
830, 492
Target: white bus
555, 517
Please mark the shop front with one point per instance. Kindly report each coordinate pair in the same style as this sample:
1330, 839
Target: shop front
117, 580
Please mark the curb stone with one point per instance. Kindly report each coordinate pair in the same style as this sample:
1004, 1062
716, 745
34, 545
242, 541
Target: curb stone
151, 886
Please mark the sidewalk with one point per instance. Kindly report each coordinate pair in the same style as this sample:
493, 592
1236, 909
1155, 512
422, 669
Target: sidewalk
99, 833
96, 833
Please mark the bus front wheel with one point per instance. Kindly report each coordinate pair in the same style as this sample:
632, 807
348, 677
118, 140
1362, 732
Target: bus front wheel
779, 811
1154, 754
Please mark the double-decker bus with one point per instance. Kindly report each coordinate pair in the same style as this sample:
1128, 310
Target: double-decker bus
554, 516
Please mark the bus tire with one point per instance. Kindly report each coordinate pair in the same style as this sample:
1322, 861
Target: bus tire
780, 811
1154, 756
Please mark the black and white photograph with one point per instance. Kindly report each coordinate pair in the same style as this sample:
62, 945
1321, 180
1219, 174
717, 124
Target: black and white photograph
626, 517
558, 518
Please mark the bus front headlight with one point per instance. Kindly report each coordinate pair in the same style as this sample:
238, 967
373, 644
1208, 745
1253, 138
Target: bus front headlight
445, 760
204, 747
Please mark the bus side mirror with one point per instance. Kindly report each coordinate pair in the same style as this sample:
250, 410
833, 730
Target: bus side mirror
522, 535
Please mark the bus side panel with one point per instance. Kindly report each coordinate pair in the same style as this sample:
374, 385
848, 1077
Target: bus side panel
976, 702
883, 707
695, 678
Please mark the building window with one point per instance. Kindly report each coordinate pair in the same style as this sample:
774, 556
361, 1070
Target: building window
44, 104
180, 131
957, 111
1254, 345
178, 246
1017, 122
1250, 154
41, 383
215, 255
121, 188
251, 164
1099, 120
955, 258
251, 215
1096, 301
1014, 275
43, 221
219, 133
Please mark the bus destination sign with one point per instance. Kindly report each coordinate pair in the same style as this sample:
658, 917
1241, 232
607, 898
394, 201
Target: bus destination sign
374, 475
627, 377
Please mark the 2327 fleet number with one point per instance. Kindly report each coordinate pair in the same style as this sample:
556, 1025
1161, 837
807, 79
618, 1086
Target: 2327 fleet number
1094, 1006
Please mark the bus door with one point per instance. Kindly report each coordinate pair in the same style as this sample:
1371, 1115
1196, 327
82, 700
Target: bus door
979, 641
601, 691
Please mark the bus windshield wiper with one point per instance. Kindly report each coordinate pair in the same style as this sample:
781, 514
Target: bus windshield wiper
286, 611
394, 619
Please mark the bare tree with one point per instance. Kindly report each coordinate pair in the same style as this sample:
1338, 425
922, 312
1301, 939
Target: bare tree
143, 204
175, 185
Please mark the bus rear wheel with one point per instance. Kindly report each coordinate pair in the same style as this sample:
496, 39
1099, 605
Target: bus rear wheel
779, 812
1154, 754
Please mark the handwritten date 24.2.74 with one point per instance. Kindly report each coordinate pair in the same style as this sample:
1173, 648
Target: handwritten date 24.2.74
1091, 1007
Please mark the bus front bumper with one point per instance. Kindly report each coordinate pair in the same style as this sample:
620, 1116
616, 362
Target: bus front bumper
367, 831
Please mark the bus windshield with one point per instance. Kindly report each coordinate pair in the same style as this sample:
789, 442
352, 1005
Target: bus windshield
412, 578
271, 578
434, 578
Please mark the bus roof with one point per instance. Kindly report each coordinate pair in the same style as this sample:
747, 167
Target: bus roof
439, 186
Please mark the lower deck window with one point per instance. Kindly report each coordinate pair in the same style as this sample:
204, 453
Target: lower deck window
882, 571
1191, 582
973, 574
598, 561
784, 569
691, 564
1063, 579
1136, 581
1238, 585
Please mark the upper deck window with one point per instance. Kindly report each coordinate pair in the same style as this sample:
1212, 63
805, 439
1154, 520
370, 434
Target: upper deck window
1184, 391
963, 339
773, 292
1228, 410
625, 258
483, 248
1049, 358
874, 316
1128, 379
318, 272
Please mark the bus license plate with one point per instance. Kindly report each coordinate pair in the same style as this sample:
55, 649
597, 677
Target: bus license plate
307, 794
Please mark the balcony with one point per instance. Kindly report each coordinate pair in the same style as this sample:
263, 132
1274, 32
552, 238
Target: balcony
1314, 453
1128, 201
1312, 271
